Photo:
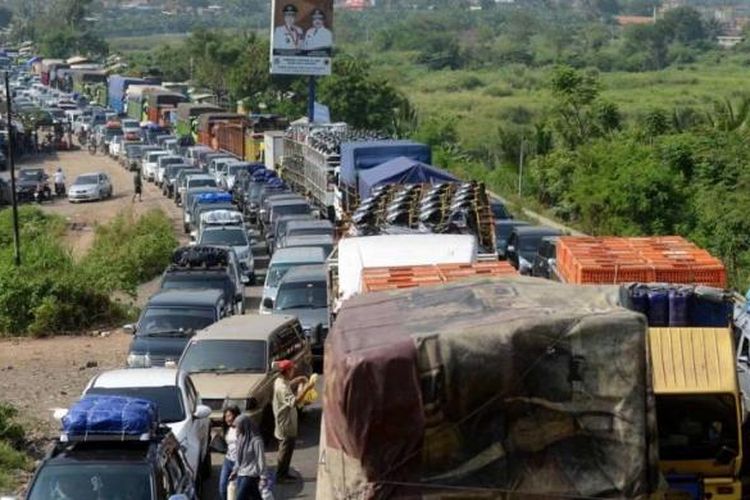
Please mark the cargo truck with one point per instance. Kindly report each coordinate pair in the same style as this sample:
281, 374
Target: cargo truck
118, 86
207, 126
159, 101
512, 388
698, 411
187, 117
135, 97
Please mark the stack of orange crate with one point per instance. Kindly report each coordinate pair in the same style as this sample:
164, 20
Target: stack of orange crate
667, 259
393, 278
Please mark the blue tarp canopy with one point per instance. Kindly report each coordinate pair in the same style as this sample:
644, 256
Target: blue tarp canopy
33, 60
401, 170
110, 415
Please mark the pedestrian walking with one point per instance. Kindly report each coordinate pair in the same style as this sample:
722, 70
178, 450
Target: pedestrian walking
137, 185
250, 466
230, 437
285, 413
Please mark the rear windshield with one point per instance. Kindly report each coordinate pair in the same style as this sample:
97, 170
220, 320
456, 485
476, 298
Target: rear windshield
174, 320
302, 295
225, 356
279, 270
227, 237
202, 183
167, 399
194, 281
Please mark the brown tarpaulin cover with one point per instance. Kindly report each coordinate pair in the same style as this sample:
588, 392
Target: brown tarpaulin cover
519, 384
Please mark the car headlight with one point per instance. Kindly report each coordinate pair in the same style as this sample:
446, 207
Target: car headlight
139, 361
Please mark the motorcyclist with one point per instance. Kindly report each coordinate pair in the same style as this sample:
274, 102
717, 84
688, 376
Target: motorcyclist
59, 182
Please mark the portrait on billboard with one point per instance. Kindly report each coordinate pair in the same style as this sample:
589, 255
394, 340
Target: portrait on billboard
302, 37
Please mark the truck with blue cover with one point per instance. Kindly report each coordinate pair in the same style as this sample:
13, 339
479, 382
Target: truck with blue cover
118, 85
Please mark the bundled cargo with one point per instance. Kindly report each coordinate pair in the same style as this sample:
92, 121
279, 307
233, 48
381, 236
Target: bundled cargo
665, 259
529, 387
376, 279
110, 416
198, 256
681, 305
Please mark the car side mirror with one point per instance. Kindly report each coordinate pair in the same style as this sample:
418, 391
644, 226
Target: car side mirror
268, 303
129, 328
202, 411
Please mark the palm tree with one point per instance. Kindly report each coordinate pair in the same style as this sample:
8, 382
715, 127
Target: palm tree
728, 118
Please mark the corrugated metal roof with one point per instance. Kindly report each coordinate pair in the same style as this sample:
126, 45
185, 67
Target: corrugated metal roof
692, 360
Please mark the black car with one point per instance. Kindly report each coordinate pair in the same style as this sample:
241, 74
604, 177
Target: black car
28, 181
545, 261
523, 245
503, 228
206, 267
168, 321
155, 469
170, 175
499, 211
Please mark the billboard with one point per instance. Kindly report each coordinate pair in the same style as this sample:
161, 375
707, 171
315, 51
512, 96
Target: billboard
301, 37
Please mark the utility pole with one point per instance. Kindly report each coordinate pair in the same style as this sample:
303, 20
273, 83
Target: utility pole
11, 162
311, 99
520, 168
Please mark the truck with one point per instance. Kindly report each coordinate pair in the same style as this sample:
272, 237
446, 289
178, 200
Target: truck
157, 102
531, 388
699, 412
353, 256
187, 117
92, 83
118, 86
207, 126
324, 160
135, 97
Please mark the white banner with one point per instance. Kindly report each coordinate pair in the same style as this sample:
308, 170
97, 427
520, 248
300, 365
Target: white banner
302, 37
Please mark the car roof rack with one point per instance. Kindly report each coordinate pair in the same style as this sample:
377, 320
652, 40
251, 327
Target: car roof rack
105, 418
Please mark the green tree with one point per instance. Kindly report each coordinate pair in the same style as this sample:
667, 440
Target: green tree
357, 97
683, 24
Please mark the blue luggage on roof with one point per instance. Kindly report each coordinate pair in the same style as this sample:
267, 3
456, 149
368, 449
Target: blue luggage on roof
214, 197
115, 416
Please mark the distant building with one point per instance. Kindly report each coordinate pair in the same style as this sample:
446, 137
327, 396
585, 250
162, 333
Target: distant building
729, 41
357, 4
631, 20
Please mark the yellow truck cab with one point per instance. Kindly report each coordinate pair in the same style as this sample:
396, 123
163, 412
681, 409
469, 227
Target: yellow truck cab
698, 411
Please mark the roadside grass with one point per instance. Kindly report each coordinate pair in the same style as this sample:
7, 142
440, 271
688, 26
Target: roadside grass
52, 293
139, 43
484, 100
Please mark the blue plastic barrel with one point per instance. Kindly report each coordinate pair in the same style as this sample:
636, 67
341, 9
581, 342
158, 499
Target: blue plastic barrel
711, 308
639, 300
679, 306
658, 307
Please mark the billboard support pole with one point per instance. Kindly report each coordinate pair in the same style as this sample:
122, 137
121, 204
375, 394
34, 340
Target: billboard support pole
311, 99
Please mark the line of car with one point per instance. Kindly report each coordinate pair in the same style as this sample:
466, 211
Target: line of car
194, 349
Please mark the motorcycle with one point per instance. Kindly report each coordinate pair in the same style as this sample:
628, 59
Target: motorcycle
42, 194
60, 189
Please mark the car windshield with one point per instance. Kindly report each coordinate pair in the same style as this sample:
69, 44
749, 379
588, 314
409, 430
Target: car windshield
311, 231
304, 295
130, 124
170, 161
228, 237
188, 281
245, 356
90, 481
174, 320
234, 169
277, 271
86, 180
202, 183
168, 399
529, 247
696, 427
297, 209
30, 175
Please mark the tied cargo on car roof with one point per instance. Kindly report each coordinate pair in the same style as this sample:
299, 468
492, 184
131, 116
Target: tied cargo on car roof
222, 218
101, 418
214, 198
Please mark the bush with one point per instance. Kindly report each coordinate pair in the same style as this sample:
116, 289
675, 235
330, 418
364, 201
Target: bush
51, 293
11, 442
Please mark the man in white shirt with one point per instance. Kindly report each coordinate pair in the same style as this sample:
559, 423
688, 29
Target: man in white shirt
318, 37
289, 36
285, 412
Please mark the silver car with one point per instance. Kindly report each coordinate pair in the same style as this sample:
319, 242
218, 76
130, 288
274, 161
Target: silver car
94, 186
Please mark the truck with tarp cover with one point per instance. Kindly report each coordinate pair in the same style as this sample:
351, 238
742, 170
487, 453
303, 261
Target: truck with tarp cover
118, 86
135, 97
520, 387
92, 83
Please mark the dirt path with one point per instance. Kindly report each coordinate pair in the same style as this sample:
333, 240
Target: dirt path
40, 374
83, 217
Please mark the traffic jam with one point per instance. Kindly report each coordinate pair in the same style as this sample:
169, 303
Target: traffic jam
455, 349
